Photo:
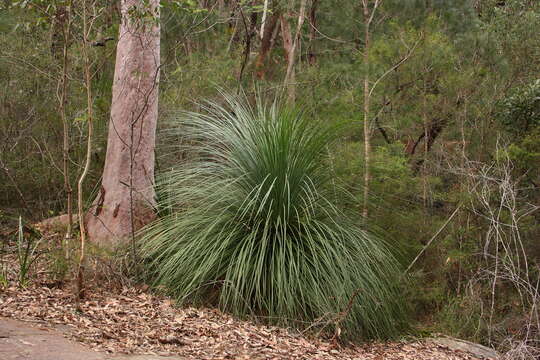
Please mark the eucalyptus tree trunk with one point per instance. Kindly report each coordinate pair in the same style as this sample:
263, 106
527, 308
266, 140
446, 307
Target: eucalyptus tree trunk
290, 45
266, 44
87, 28
62, 103
126, 198
369, 8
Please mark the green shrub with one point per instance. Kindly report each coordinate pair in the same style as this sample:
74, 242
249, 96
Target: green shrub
27, 252
252, 218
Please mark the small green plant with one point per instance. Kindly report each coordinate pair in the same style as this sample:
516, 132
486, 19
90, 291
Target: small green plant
27, 253
59, 265
4, 280
253, 219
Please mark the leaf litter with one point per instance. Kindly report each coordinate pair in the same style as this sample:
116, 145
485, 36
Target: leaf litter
131, 320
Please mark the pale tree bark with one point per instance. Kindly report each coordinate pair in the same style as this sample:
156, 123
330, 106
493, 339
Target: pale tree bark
369, 13
286, 36
126, 200
291, 44
87, 28
263, 21
369, 8
62, 102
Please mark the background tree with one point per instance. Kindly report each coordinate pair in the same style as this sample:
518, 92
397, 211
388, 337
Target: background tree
291, 42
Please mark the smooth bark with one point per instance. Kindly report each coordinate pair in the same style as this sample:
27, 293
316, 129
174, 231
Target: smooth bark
126, 199
368, 17
87, 27
62, 102
291, 44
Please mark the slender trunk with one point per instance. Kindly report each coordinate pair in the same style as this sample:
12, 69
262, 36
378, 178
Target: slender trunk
286, 36
424, 159
127, 199
273, 38
250, 32
62, 110
369, 14
233, 22
263, 20
367, 127
290, 76
266, 45
233, 35
90, 122
312, 58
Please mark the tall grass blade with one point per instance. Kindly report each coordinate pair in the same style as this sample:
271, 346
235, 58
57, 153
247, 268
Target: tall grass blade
254, 222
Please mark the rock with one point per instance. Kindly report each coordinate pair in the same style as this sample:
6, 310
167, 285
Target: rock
55, 223
477, 350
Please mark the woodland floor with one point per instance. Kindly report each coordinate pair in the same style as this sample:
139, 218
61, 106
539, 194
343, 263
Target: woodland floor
127, 319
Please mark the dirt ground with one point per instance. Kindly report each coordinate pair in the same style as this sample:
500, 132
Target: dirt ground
20, 340
44, 324
40, 321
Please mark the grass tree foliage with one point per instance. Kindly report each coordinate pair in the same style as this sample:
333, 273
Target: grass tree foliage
253, 221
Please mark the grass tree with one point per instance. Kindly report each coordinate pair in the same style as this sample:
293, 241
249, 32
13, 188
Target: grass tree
253, 221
